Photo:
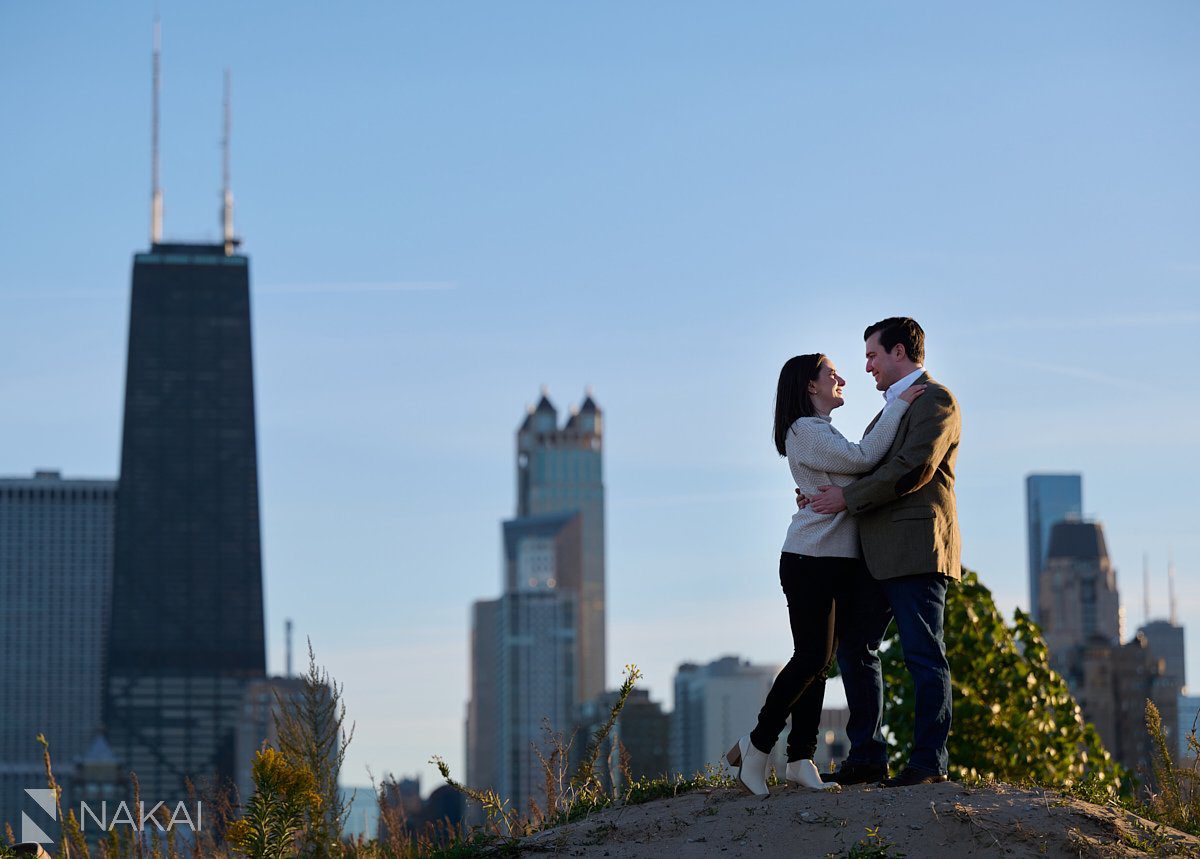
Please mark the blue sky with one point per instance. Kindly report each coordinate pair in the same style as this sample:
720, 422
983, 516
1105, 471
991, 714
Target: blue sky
448, 205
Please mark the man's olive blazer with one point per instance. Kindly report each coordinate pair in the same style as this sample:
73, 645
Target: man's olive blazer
907, 520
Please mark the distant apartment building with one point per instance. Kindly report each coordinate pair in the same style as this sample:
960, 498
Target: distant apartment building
1188, 708
1166, 642
1116, 682
362, 812
1078, 592
538, 649
1049, 499
1080, 611
258, 724
715, 704
833, 745
535, 683
56, 550
523, 661
482, 727
96, 778
638, 745
433, 817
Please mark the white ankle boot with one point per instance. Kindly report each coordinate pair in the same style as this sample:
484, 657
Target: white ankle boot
804, 773
751, 766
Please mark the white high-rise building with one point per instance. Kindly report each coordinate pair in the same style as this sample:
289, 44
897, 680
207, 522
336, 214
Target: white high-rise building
715, 704
56, 556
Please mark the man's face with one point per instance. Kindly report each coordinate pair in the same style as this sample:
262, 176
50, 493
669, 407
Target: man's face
887, 367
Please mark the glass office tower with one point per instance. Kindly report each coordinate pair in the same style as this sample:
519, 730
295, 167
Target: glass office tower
559, 470
1049, 499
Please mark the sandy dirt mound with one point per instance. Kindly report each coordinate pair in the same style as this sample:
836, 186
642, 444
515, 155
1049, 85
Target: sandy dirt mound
944, 820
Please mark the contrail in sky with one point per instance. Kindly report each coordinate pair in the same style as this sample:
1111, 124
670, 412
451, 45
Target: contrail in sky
320, 288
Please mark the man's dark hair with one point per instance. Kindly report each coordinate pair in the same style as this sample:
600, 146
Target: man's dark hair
902, 330
791, 395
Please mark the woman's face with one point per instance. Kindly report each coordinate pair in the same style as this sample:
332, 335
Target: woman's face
826, 389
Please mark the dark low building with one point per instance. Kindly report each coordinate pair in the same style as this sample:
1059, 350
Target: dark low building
1081, 623
638, 746
435, 816
1166, 642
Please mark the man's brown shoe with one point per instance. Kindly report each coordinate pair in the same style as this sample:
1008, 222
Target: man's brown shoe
851, 773
909, 776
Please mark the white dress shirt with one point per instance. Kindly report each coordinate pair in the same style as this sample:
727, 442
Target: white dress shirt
898, 388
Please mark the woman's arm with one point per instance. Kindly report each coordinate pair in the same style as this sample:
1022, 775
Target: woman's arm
933, 431
818, 445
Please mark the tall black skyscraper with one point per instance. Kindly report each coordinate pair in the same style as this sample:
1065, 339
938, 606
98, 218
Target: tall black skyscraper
187, 614
186, 632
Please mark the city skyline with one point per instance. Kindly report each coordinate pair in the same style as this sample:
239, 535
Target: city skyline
692, 196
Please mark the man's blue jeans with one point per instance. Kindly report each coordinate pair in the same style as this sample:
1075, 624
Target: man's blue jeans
865, 608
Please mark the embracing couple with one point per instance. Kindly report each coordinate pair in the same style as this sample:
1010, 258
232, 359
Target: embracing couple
875, 539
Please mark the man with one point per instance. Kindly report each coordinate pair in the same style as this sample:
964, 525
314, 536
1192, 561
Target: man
908, 527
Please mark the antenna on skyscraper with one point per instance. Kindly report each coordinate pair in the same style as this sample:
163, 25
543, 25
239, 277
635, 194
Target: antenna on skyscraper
287, 629
156, 203
226, 190
1145, 587
1171, 585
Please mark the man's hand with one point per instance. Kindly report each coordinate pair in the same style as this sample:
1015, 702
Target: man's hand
830, 500
801, 499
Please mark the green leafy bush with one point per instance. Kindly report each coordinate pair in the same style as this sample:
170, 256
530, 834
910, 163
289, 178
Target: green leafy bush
1015, 720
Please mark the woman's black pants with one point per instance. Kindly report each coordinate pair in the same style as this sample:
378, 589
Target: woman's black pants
809, 584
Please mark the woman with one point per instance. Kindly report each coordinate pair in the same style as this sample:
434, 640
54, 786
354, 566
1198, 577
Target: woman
818, 550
